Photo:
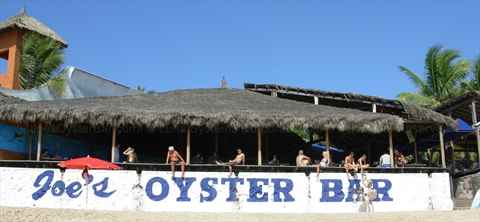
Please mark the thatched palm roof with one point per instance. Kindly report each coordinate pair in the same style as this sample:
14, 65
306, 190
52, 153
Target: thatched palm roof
24, 21
461, 107
5, 99
412, 113
201, 107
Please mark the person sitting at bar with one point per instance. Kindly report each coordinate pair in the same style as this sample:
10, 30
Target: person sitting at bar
173, 158
240, 159
214, 158
57, 155
45, 155
398, 158
197, 158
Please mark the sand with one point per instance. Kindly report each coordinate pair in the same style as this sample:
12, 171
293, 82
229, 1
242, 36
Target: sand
42, 214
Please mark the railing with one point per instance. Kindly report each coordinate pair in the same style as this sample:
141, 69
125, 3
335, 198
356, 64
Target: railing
139, 167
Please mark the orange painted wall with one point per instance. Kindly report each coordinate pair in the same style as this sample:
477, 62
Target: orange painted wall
10, 46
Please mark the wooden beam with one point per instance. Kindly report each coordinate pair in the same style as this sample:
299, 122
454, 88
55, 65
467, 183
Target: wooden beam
415, 147
114, 140
374, 108
30, 142
477, 130
188, 144
442, 146
39, 141
390, 144
259, 141
474, 112
327, 141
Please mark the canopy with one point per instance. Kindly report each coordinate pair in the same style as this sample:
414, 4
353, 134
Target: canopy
323, 148
433, 140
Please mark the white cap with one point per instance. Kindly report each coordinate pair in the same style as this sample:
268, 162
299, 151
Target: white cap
170, 148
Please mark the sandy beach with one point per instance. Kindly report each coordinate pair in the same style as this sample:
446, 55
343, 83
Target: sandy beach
43, 214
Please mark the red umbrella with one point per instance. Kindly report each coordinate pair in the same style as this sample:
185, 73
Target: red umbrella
85, 164
88, 163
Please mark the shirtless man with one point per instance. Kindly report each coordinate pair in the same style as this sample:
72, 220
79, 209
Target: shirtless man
399, 158
240, 159
173, 157
362, 162
349, 165
302, 160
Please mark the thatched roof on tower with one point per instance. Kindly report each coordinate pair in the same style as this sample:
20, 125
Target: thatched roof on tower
25, 22
240, 109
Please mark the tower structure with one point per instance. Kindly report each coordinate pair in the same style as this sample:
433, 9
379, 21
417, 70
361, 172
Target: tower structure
12, 31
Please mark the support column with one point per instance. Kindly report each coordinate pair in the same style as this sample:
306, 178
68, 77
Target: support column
259, 141
39, 141
114, 140
188, 144
30, 143
415, 147
442, 146
390, 144
477, 130
327, 142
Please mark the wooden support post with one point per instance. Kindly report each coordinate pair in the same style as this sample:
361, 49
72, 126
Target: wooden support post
39, 141
216, 139
259, 140
114, 140
390, 144
368, 153
477, 130
453, 156
415, 147
442, 146
327, 142
30, 142
188, 144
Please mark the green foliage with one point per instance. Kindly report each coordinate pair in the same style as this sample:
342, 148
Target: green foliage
40, 58
444, 71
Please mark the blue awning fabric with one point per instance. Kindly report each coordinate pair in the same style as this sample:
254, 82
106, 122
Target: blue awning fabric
323, 148
434, 140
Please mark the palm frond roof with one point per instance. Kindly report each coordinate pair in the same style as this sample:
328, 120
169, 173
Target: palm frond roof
200, 107
26, 22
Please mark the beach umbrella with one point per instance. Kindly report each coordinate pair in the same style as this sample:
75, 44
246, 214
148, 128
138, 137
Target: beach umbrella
85, 164
89, 163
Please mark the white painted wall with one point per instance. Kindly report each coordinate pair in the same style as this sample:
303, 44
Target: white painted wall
157, 191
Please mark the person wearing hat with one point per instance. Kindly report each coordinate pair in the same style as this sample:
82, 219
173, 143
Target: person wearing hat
132, 157
173, 157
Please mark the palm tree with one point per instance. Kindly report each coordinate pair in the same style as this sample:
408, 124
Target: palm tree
444, 71
41, 57
473, 84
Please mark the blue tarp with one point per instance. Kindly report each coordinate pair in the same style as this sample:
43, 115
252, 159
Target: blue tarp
322, 148
434, 140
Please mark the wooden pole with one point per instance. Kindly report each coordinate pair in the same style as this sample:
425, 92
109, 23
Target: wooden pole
259, 141
368, 153
30, 143
216, 139
327, 142
114, 140
453, 156
188, 144
39, 141
390, 143
415, 147
477, 131
442, 146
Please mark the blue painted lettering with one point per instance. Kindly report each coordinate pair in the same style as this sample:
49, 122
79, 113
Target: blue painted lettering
383, 190
335, 191
73, 190
256, 193
352, 189
149, 189
285, 190
184, 188
206, 187
232, 187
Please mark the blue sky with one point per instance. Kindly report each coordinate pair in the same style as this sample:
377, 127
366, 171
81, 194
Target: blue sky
341, 46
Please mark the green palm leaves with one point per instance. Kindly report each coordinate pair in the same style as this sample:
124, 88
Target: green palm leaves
41, 57
444, 71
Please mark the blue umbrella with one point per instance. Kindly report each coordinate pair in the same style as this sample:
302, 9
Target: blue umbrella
323, 148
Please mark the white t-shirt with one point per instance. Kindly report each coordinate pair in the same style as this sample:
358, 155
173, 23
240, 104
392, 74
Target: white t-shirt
385, 159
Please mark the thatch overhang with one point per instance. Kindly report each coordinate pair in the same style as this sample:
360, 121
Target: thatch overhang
5, 99
25, 22
461, 107
411, 113
201, 107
